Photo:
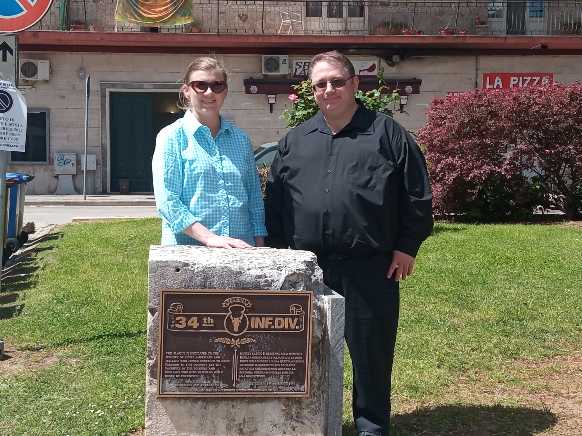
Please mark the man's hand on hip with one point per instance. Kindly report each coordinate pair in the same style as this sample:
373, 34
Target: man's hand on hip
401, 267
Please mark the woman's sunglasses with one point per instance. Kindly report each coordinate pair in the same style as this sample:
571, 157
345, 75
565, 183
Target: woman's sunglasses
200, 86
335, 83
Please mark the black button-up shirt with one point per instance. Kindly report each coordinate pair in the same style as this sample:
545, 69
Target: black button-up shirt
360, 192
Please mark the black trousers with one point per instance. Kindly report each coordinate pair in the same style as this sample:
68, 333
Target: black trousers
372, 307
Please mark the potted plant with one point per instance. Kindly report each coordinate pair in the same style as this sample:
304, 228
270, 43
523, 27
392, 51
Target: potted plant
192, 27
481, 27
411, 31
78, 25
389, 27
446, 30
571, 28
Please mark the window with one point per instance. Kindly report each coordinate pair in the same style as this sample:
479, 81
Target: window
335, 10
37, 138
536, 8
495, 9
355, 9
313, 9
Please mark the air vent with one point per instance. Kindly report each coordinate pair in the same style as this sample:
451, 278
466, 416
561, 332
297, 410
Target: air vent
34, 69
275, 64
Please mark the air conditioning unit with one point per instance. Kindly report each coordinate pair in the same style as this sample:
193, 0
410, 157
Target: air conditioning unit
33, 69
275, 64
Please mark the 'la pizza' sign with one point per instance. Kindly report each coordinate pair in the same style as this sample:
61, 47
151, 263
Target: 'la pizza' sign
516, 80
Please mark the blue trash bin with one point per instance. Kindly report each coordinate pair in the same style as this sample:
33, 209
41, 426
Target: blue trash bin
15, 193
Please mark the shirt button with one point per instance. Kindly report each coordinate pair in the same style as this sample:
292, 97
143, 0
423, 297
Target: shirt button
326, 190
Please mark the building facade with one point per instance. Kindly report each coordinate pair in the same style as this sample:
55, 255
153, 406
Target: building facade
426, 50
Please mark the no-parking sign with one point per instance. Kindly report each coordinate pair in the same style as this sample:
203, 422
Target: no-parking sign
12, 118
17, 15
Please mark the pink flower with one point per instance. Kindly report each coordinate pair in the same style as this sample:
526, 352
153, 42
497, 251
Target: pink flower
293, 97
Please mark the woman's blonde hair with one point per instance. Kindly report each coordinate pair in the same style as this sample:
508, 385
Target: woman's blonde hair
203, 63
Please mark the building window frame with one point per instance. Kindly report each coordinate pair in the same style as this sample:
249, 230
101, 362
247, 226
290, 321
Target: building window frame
335, 9
496, 10
536, 8
16, 159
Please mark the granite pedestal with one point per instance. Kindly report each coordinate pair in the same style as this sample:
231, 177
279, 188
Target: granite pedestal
183, 267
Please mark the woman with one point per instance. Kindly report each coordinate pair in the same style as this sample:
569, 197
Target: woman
205, 180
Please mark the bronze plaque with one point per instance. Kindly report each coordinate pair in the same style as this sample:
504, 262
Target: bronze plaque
217, 343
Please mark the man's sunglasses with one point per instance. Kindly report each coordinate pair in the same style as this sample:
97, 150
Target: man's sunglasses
201, 86
335, 84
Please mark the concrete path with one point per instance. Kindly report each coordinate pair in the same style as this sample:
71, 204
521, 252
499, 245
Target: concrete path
91, 200
45, 210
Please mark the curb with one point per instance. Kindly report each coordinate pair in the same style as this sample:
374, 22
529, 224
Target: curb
90, 219
89, 203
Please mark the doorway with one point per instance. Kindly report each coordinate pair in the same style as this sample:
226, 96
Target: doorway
135, 120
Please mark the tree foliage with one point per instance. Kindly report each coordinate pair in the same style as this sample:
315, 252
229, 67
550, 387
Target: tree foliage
495, 154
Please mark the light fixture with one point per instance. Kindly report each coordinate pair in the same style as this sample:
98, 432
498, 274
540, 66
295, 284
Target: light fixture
271, 99
403, 102
393, 59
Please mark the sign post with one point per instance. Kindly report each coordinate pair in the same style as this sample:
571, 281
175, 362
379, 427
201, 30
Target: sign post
8, 52
15, 16
87, 94
13, 113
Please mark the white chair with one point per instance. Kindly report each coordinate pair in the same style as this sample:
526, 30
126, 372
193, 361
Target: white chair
291, 19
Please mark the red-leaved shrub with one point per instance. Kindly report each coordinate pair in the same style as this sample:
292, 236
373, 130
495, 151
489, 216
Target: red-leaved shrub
496, 154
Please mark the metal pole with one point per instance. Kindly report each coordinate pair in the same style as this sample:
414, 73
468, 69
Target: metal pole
87, 93
3, 197
3, 166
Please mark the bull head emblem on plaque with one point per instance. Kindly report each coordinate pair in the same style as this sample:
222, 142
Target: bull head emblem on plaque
176, 308
236, 321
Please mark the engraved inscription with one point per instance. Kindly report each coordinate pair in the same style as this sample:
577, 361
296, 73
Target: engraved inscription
229, 343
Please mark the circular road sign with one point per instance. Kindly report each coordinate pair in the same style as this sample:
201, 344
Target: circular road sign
17, 15
6, 102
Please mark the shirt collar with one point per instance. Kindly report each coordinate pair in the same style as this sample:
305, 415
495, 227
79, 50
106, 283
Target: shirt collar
362, 121
191, 124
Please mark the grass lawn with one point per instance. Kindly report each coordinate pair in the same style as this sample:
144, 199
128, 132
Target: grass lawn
485, 299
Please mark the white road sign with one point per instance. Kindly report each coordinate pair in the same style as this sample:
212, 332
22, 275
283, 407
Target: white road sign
8, 53
12, 118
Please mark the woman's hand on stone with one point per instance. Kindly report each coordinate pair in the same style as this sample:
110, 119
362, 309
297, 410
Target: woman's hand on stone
216, 241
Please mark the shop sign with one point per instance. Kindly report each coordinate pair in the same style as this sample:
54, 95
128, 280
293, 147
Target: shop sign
516, 80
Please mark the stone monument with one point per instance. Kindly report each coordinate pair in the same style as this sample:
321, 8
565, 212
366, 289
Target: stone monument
242, 342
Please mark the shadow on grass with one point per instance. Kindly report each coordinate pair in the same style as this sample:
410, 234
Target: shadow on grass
460, 420
11, 311
12, 297
100, 337
19, 276
439, 228
14, 283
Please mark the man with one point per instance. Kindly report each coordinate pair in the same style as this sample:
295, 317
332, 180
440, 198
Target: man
351, 185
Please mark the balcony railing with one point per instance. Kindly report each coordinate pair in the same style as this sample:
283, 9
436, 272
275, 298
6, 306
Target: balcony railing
272, 17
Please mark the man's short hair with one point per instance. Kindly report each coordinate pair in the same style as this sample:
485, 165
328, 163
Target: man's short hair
333, 57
